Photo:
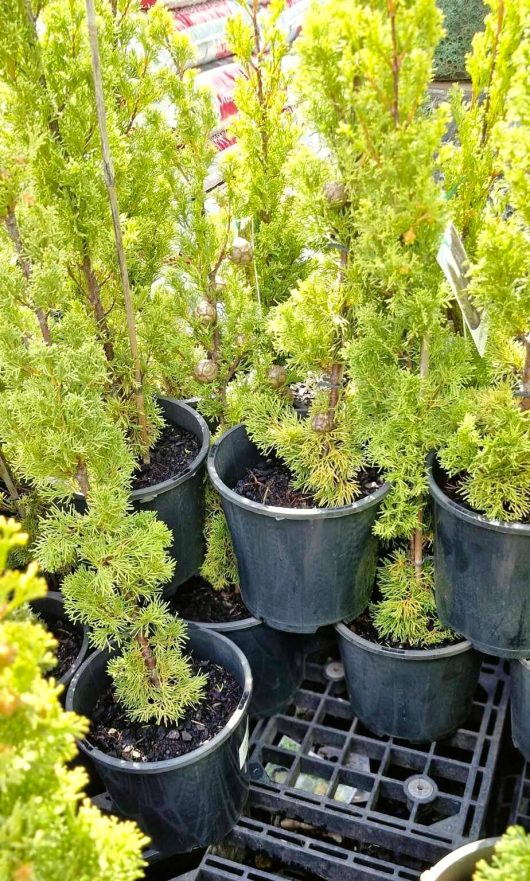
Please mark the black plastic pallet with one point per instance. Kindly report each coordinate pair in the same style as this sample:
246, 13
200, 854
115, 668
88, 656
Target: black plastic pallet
420, 801
521, 798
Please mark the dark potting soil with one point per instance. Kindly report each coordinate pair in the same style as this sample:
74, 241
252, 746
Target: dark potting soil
196, 600
270, 482
452, 487
172, 454
363, 626
69, 642
117, 736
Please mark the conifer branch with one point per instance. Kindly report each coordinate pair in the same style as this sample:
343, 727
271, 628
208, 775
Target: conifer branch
13, 231
108, 171
495, 53
93, 291
396, 61
525, 398
7, 478
149, 660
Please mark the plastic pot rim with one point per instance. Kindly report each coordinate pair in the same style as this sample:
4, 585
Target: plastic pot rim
470, 516
425, 654
58, 597
147, 493
277, 512
190, 758
480, 848
226, 626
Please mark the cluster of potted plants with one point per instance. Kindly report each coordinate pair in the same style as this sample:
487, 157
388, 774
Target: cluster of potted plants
298, 313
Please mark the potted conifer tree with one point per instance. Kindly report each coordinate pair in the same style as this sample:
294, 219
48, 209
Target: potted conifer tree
115, 563
480, 483
222, 286
46, 832
407, 366
52, 126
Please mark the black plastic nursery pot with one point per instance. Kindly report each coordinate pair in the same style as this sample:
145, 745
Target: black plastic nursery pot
460, 865
276, 660
299, 569
190, 801
420, 695
520, 699
179, 501
482, 572
51, 608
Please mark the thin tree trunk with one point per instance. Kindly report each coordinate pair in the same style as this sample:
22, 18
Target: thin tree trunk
525, 398
14, 234
396, 63
417, 539
149, 660
7, 477
108, 170
94, 295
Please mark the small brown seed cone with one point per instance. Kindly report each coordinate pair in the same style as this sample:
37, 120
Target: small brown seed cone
322, 423
241, 252
206, 312
335, 193
206, 370
277, 376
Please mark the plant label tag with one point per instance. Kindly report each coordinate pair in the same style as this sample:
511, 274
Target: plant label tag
453, 260
243, 749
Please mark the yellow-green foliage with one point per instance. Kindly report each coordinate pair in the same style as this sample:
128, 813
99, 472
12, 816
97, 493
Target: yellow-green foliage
267, 138
68, 423
48, 830
492, 444
510, 860
491, 448
406, 613
220, 564
470, 160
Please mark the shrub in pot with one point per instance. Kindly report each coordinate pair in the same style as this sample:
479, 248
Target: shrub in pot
480, 483
116, 563
406, 365
47, 830
51, 128
492, 859
224, 284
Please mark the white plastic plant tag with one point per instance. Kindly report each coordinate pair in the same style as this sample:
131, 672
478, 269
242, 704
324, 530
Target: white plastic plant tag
453, 260
243, 749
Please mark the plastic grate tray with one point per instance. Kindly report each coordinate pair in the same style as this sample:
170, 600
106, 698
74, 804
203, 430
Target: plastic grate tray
521, 799
321, 766
265, 848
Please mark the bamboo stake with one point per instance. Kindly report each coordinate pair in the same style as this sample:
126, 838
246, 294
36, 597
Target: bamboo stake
110, 182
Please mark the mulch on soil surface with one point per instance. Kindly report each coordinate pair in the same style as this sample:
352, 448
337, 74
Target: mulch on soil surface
69, 642
270, 483
196, 600
172, 454
117, 736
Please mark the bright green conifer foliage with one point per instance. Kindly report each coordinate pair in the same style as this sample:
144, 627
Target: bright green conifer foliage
372, 317
48, 831
68, 423
469, 162
511, 858
267, 139
492, 444
218, 312
49, 114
